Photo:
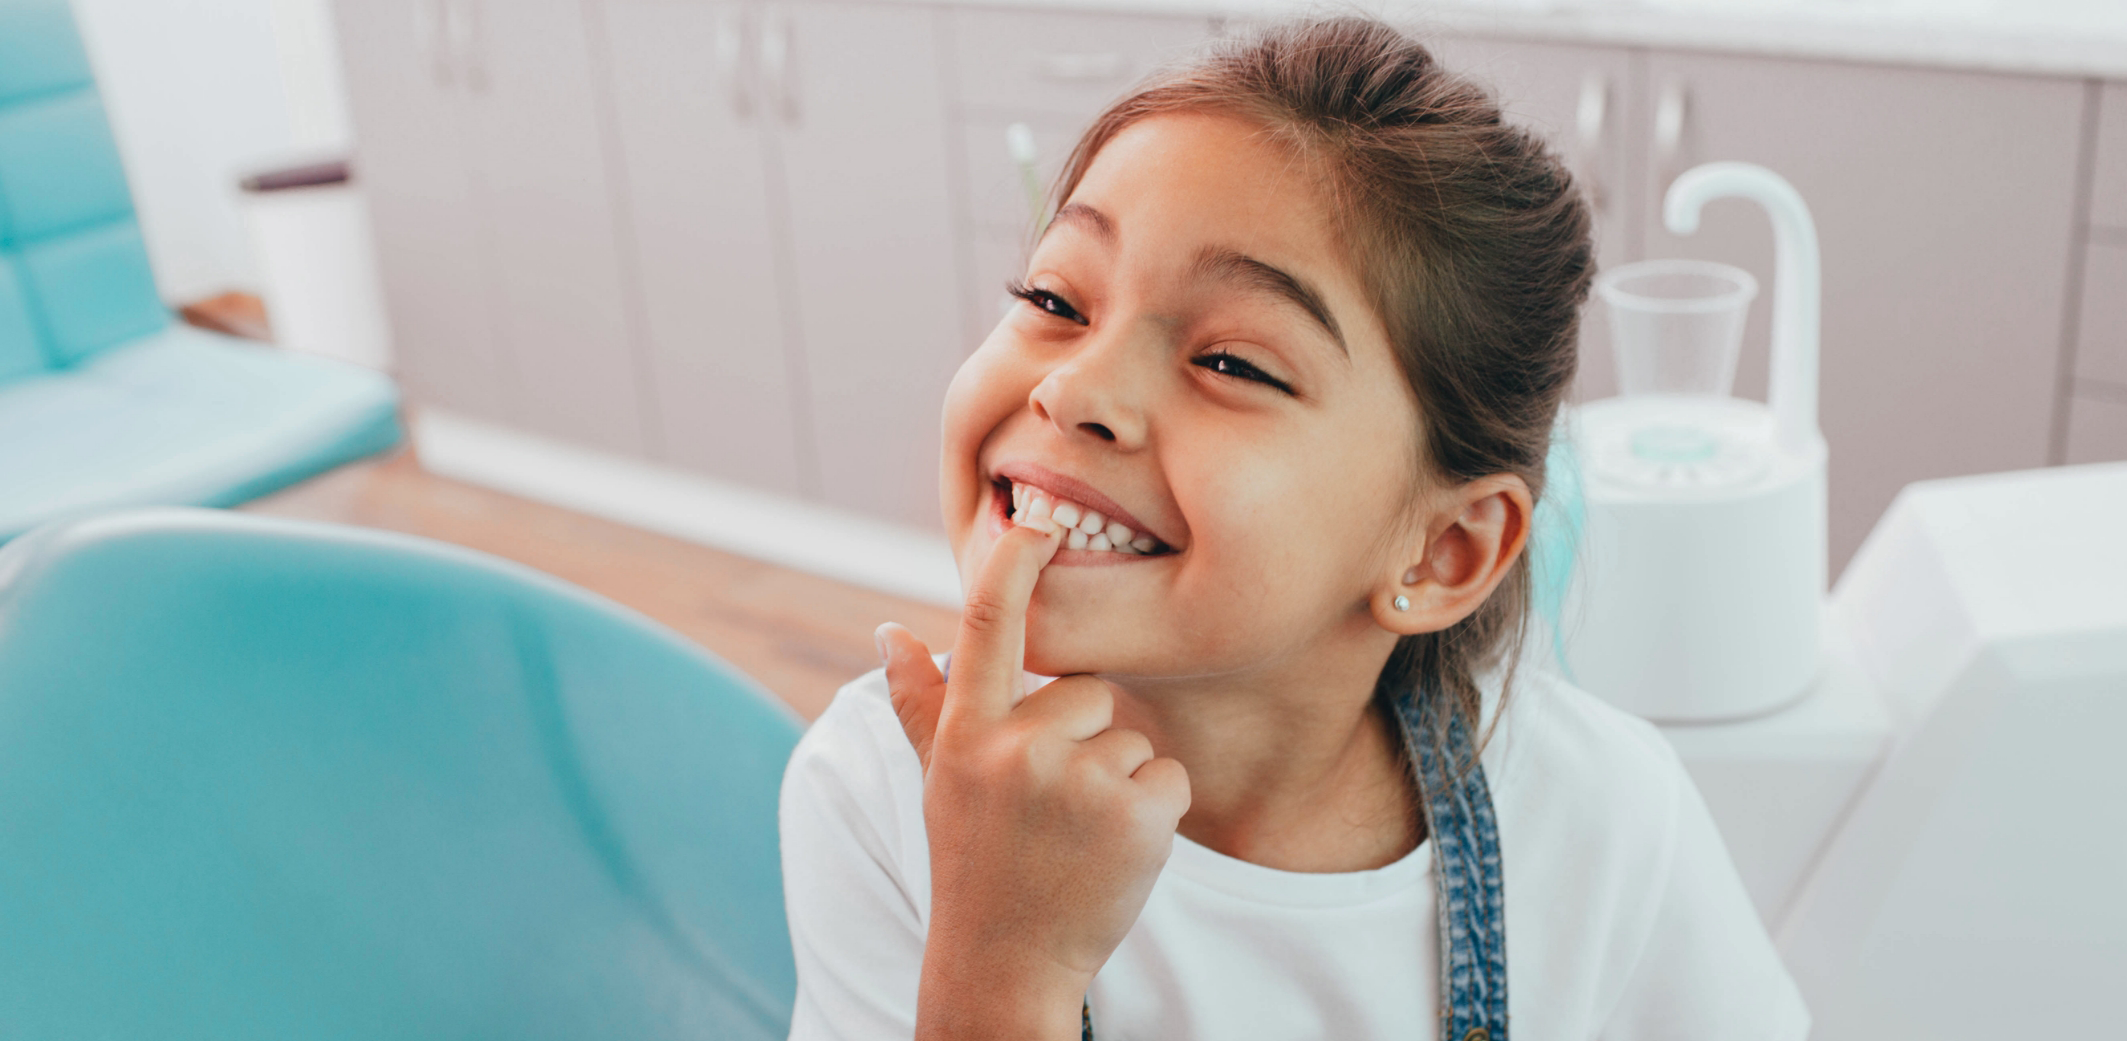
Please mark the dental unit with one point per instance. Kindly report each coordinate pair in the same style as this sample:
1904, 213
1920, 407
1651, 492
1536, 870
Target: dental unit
1915, 772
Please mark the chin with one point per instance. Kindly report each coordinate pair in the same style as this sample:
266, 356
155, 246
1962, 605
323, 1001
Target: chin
1067, 653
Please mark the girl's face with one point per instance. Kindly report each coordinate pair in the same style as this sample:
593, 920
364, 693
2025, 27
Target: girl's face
1196, 360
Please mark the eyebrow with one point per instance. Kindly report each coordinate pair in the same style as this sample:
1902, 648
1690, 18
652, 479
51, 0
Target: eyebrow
1232, 266
1080, 213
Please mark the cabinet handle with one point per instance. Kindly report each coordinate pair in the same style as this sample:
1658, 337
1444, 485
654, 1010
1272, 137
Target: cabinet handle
1670, 111
1590, 122
1097, 67
781, 96
731, 62
458, 44
1019, 143
431, 29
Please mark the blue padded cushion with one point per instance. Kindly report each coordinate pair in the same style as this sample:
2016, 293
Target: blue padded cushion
263, 780
182, 417
39, 51
95, 290
66, 216
59, 166
20, 351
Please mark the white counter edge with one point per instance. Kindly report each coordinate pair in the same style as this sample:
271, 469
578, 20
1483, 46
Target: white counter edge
804, 536
1993, 41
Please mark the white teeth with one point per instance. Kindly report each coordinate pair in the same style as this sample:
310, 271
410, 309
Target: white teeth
1084, 528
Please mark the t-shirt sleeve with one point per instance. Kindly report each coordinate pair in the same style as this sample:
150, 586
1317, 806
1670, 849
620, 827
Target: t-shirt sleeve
856, 925
1708, 971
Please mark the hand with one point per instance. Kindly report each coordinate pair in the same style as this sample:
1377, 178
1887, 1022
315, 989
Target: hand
1047, 825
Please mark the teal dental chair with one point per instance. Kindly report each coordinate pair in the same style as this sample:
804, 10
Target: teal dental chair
263, 779
103, 401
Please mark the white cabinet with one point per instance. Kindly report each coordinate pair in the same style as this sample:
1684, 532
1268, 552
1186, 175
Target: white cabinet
2094, 428
874, 270
788, 190
708, 256
483, 156
411, 108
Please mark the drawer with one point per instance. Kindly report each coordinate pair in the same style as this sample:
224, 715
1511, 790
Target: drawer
2101, 335
996, 197
2097, 425
1068, 64
2108, 186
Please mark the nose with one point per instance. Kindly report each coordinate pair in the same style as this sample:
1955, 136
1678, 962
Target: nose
1099, 391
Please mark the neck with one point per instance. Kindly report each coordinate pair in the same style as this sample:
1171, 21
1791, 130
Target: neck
1291, 766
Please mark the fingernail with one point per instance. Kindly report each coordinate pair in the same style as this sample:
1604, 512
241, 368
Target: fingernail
878, 639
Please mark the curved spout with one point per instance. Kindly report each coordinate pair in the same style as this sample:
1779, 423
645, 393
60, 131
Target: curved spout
1797, 282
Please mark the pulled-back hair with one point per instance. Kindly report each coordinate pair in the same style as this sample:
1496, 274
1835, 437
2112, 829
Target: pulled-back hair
1472, 243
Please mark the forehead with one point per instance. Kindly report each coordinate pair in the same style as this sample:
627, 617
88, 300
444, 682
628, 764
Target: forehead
1187, 179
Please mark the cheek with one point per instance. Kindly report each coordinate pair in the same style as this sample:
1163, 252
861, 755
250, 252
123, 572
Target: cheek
985, 394
1285, 545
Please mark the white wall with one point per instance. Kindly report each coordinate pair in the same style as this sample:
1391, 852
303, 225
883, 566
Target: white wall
201, 92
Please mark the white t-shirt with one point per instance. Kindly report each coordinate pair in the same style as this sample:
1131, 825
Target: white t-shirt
1625, 917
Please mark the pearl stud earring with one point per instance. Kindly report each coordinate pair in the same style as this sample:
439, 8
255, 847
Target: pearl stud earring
1403, 603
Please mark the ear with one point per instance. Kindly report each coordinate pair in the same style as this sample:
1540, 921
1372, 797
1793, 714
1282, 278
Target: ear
1476, 532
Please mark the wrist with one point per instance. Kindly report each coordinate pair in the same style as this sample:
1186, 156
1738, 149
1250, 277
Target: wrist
997, 999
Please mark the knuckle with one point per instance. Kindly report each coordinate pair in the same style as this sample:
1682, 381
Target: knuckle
1134, 743
985, 611
1085, 770
1012, 753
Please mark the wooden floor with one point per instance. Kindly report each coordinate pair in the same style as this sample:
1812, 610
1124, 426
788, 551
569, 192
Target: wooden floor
800, 635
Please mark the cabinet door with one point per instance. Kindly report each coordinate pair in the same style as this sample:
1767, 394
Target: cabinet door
415, 170
555, 278
1584, 101
705, 249
1944, 203
863, 151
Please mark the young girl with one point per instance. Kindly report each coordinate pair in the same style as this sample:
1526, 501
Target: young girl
1252, 471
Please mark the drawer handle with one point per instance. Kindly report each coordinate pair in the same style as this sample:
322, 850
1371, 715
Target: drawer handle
780, 85
731, 62
1097, 67
1671, 110
1591, 125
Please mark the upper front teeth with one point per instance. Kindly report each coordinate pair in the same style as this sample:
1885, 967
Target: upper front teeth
1084, 528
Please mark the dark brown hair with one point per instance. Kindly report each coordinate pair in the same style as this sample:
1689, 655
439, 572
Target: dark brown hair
1473, 244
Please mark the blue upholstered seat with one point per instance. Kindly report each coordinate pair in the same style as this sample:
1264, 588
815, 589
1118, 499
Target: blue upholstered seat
102, 402
262, 779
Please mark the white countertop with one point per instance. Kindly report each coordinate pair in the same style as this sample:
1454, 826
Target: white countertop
2045, 37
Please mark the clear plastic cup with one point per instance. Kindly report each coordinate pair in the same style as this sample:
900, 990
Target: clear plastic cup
1676, 326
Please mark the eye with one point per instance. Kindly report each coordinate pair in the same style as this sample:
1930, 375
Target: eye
1045, 301
1240, 368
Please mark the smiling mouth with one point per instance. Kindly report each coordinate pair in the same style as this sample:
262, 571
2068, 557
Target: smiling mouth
1086, 529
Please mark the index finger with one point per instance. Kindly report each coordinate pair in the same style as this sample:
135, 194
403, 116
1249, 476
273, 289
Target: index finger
990, 654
